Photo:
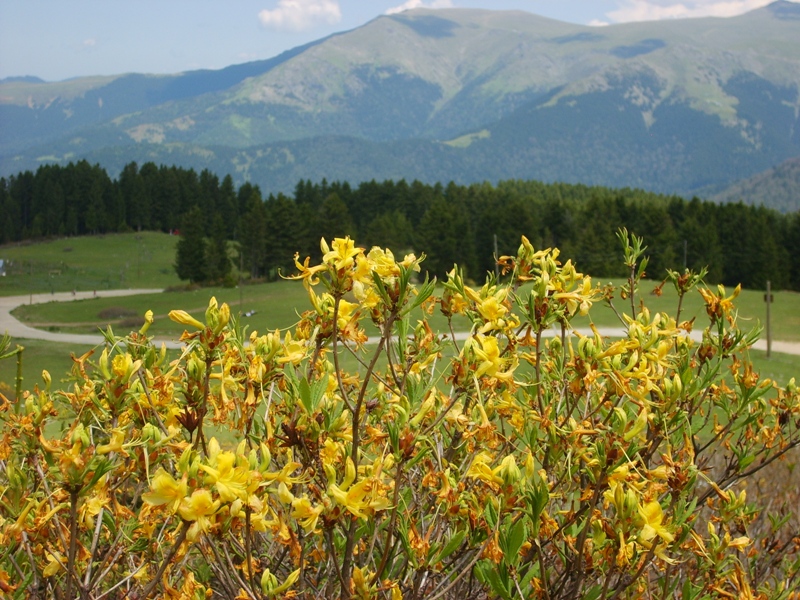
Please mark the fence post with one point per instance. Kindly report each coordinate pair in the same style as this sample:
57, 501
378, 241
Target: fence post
768, 300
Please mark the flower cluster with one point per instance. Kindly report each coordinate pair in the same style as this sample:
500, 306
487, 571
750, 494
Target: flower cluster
509, 456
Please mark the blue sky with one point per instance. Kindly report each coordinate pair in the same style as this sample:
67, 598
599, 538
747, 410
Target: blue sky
59, 39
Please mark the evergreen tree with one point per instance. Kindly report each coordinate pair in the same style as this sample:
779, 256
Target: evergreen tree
444, 233
218, 262
190, 261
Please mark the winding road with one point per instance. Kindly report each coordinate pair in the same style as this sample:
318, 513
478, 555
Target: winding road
16, 329
11, 325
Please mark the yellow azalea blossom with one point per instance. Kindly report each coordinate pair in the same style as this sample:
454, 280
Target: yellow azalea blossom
123, 366
364, 498
115, 444
56, 561
199, 508
305, 514
346, 312
383, 263
653, 517
306, 273
359, 499
410, 260
166, 490
285, 474
366, 295
91, 508
625, 552
480, 469
717, 305
342, 255
229, 481
491, 363
362, 275
148, 320
293, 351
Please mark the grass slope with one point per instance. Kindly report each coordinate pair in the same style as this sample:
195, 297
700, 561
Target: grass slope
118, 261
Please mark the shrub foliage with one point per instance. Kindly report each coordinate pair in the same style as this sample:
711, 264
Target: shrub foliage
521, 460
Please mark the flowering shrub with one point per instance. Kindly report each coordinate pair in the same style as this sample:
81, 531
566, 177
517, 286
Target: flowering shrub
506, 462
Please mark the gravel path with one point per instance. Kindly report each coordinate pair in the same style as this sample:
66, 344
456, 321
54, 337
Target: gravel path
9, 323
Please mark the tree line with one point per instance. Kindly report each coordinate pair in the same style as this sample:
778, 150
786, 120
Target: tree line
467, 224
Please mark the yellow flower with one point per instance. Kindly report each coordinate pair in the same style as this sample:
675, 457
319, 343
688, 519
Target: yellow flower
305, 514
480, 469
383, 263
165, 490
492, 309
307, 274
361, 499
115, 444
285, 474
653, 527
293, 350
342, 255
229, 481
491, 363
198, 508
91, 508
717, 305
148, 320
345, 313
56, 562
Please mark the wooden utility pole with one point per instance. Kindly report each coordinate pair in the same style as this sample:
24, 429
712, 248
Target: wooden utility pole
496, 257
768, 300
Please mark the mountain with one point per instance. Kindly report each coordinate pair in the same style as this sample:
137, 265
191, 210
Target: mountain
778, 188
682, 106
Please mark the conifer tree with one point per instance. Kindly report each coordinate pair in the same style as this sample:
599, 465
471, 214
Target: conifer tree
190, 262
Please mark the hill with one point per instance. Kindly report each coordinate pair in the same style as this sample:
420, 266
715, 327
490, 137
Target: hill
467, 95
778, 187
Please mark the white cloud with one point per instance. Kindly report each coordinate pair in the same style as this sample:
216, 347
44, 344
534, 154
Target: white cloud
597, 23
654, 10
419, 4
89, 42
296, 15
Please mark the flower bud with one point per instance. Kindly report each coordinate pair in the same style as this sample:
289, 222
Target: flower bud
509, 470
184, 318
148, 320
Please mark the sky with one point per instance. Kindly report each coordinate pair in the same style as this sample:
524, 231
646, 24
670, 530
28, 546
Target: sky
61, 39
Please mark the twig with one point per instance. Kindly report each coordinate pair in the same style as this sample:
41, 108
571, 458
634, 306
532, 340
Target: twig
172, 552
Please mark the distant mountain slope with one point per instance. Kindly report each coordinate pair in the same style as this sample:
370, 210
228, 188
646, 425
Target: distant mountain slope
778, 188
673, 106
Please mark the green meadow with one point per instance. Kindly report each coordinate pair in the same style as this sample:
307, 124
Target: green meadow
102, 262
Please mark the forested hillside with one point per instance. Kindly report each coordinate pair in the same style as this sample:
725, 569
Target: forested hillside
453, 223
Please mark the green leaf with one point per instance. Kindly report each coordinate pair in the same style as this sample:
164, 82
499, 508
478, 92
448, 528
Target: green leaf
514, 538
490, 512
423, 294
491, 575
305, 395
381, 289
108, 521
452, 544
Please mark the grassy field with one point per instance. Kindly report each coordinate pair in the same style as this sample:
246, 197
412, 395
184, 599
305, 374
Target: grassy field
125, 260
